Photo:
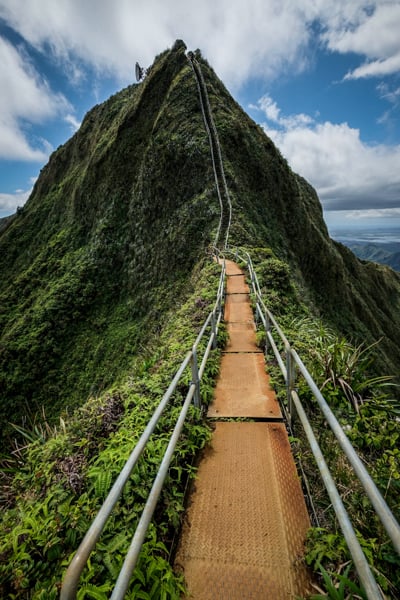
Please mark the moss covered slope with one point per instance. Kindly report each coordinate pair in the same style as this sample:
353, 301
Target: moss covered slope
106, 242
274, 207
104, 285
118, 218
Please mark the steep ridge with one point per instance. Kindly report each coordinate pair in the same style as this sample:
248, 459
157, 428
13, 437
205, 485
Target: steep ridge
101, 260
116, 222
127, 206
274, 207
218, 165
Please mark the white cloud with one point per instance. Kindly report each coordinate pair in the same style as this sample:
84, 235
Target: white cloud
257, 37
376, 68
10, 202
24, 98
374, 35
238, 37
73, 122
392, 95
241, 39
374, 213
273, 113
347, 173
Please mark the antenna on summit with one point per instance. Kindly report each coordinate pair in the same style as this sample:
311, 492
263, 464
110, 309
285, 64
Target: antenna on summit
139, 72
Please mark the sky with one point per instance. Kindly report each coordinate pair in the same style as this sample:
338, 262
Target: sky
322, 77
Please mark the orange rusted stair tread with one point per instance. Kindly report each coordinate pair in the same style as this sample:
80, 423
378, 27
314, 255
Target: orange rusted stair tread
236, 284
245, 527
238, 309
232, 268
241, 338
243, 389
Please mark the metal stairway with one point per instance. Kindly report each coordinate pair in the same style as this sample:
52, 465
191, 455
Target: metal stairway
249, 471
244, 531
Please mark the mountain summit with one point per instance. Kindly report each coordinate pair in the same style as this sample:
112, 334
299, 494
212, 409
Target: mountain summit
106, 280
120, 218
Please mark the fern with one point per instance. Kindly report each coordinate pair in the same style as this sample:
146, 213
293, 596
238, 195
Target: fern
112, 567
118, 542
88, 590
102, 483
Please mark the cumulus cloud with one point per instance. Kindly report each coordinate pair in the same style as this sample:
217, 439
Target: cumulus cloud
10, 202
240, 38
374, 35
24, 98
347, 173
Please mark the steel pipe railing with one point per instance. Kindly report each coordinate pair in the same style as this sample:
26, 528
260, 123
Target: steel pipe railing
132, 555
287, 366
360, 562
382, 510
71, 580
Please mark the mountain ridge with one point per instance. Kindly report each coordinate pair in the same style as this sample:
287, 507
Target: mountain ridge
383, 253
106, 279
122, 213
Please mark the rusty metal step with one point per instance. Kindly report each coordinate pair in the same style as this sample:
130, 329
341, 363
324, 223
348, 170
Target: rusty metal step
246, 523
245, 526
243, 389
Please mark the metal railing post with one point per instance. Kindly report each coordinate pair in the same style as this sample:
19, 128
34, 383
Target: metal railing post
267, 328
290, 380
195, 379
256, 316
360, 561
214, 329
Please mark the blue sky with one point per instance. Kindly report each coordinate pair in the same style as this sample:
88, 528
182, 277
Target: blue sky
321, 76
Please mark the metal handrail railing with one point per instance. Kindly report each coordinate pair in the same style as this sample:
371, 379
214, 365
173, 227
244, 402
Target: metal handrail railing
213, 138
71, 580
216, 138
294, 405
210, 139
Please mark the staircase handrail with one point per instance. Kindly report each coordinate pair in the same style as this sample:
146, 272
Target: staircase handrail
71, 580
294, 406
213, 139
210, 139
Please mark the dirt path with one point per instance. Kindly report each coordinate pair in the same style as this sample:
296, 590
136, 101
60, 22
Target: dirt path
246, 522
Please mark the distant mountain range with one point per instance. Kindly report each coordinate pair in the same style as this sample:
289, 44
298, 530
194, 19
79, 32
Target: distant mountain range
383, 252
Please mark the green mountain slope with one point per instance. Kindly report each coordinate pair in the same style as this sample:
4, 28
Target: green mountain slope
274, 207
120, 215
115, 223
105, 282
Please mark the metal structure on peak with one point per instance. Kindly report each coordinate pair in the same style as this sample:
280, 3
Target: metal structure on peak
140, 72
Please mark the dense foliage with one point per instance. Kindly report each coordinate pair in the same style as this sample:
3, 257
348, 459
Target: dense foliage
57, 484
104, 245
367, 409
103, 287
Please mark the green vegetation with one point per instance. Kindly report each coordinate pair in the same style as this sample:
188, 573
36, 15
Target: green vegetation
368, 410
58, 483
104, 285
104, 247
